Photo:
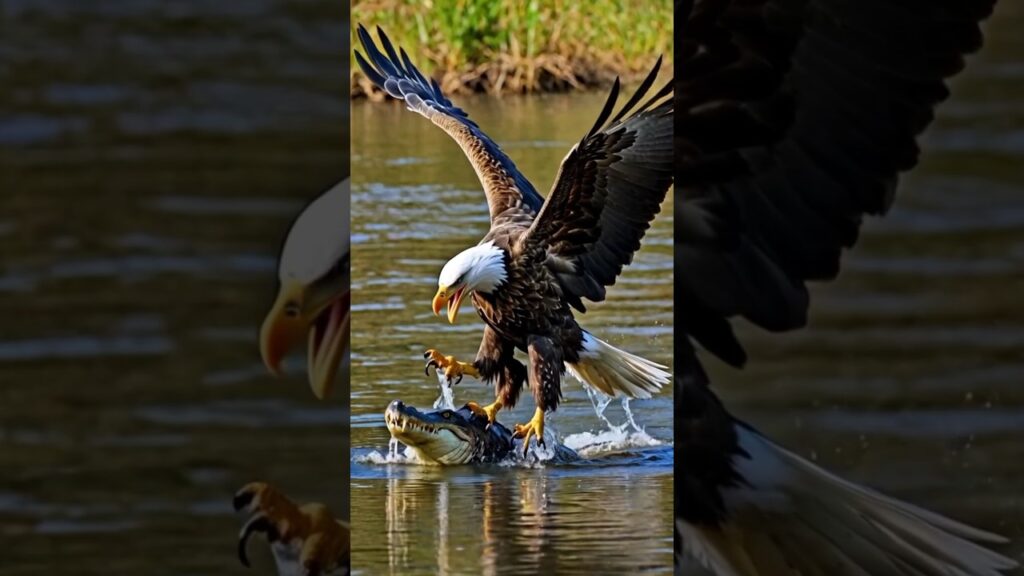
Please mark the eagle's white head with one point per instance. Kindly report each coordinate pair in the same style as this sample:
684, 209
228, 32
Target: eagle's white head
480, 268
312, 303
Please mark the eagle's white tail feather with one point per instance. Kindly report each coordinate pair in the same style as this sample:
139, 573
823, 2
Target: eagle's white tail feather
795, 518
616, 372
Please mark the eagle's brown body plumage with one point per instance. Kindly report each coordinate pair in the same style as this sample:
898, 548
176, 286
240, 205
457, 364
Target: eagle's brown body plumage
528, 312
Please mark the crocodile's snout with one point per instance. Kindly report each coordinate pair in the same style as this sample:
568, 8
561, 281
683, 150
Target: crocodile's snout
446, 436
393, 412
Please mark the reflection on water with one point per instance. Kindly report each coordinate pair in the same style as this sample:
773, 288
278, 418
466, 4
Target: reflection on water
416, 203
151, 157
909, 377
495, 520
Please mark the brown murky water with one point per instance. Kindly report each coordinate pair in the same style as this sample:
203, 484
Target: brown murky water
151, 157
910, 377
416, 203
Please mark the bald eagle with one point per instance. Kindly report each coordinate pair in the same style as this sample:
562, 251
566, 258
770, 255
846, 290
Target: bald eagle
312, 301
796, 118
541, 259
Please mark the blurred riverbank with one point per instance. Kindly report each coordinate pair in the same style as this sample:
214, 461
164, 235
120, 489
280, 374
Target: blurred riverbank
514, 47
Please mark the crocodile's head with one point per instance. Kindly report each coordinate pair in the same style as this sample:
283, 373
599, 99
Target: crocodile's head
448, 436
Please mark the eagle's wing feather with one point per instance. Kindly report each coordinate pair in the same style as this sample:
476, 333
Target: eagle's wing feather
795, 118
394, 73
608, 189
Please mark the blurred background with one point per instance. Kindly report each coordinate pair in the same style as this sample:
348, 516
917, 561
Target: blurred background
152, 155
416, 202
910, 376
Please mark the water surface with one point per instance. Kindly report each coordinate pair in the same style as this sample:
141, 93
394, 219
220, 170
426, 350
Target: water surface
151, 157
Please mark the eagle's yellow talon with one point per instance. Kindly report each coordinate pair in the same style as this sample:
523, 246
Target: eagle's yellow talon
490, 411
324, 540
533, 428
453, 369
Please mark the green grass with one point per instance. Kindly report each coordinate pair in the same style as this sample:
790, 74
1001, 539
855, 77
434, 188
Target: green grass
521, 46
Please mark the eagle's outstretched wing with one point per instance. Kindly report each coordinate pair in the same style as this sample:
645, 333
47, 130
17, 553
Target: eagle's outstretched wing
394, 73
609, 188
794, 119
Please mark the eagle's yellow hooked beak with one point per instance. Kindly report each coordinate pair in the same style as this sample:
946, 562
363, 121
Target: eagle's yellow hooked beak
283, 328
452, 298
326, 329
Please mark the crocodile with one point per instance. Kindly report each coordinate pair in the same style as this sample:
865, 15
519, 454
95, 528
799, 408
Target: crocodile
448, 437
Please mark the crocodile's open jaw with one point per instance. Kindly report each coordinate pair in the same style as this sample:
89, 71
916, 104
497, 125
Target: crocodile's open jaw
443, 436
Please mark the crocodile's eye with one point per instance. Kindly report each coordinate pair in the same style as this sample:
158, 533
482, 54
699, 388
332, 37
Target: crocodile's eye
446, 414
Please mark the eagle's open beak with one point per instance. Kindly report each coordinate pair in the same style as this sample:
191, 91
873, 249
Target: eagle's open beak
327, 331
328, 340
453, 299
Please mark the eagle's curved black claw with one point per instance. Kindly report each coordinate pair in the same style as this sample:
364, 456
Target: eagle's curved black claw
457, 380
258, 523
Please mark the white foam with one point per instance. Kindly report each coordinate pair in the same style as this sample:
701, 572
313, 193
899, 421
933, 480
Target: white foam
617, 437
397, 454
537, 455
591, 445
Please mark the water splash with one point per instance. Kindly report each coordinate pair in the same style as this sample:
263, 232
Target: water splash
617, 437
591, 445
629, 416
537, 456
447, 397
397, 453
600, 403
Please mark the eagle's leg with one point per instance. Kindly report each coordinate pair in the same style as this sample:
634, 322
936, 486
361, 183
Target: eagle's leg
453, 369
533, 428
490, 411
497, 364
545, 376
